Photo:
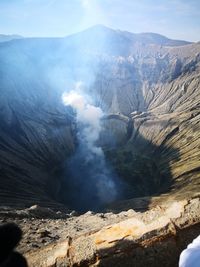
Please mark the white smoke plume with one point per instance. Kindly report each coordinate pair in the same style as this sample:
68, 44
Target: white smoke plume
87, 115
97, 181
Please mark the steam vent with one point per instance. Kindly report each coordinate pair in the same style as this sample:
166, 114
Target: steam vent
99, 147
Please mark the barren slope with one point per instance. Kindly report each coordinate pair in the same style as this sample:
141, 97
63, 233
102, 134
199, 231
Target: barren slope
148, 87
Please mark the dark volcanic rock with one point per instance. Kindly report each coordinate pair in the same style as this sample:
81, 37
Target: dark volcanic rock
148, 87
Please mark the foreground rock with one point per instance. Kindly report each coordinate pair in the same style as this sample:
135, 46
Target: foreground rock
124, 239
150, 95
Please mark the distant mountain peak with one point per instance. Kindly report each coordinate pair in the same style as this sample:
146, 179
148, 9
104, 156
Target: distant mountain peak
7, 38
101, 33
100, 27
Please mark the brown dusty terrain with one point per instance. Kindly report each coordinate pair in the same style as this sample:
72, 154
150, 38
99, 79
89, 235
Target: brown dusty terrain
150, 95
107, 239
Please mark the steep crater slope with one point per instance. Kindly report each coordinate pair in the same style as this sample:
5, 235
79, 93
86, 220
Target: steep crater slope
164, 133
148, 88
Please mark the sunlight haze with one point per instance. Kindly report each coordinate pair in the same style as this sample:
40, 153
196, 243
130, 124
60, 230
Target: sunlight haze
177, 19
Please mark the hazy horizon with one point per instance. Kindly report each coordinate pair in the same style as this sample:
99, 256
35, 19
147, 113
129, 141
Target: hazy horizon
176, 19
18, 35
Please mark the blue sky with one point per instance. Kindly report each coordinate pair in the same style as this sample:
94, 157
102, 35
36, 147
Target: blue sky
178, 19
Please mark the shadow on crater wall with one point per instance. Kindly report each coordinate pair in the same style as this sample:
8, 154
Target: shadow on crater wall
137, 167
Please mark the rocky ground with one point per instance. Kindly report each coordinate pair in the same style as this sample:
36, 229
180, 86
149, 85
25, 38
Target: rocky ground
150, 95
128, 238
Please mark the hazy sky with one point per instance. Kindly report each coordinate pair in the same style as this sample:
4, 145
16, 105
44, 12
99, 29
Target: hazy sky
178, 19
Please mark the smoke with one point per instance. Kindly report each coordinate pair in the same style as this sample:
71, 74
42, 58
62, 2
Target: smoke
91, 183
89, 117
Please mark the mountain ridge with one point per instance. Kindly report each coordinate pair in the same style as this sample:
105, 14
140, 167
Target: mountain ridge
10, 37
143, 36
150, 97
119, 76
148, 37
